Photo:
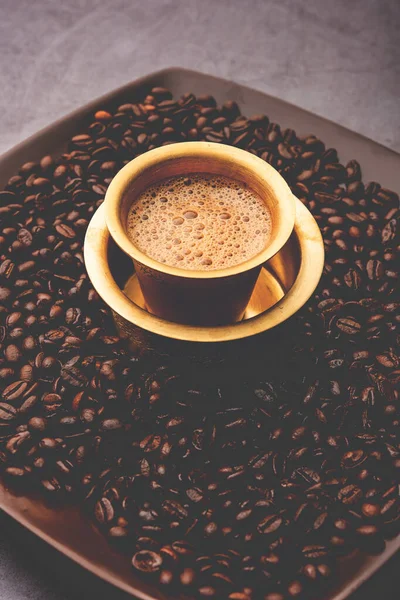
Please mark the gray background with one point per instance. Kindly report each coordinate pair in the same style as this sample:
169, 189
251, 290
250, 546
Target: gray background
337, 58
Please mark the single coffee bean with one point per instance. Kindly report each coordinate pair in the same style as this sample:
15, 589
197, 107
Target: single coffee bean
147, 561
111, 425
28, 405
51, 402
7, 412
104, 511
350, 494
37, 424
270, 524
6, 373
14, 390
348, 325
5, 294
26, 372
12, 353
15, 472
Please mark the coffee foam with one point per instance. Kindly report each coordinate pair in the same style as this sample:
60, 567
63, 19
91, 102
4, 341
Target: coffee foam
201, 222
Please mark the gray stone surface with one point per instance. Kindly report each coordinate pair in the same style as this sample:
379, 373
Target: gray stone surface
340, 59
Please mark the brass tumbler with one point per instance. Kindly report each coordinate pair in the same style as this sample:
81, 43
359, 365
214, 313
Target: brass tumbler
195, 297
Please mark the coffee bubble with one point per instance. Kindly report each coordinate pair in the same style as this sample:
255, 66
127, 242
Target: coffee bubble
190, 214
210, 214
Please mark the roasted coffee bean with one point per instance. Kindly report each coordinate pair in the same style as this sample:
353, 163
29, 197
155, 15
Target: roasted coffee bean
72, 375
28, 404
15, 472
37, 424
29, 344
14, 391
7, 412
147, 561
5, 294
26, 372
374, 269
111, 425
295, 588
270, 525
350, 494
353, 171
348, 325
12, 353
6, 373
104, 511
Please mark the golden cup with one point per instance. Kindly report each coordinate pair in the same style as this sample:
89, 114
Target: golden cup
195, 297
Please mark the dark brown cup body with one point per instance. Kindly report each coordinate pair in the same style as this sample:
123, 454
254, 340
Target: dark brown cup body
216, 301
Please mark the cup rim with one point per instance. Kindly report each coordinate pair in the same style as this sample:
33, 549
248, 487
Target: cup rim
123, 179
311, 251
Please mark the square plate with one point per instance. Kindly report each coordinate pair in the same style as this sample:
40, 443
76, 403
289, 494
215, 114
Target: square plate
66, 528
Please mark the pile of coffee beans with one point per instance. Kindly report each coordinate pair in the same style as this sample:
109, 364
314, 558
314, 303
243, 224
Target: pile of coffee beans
239, 489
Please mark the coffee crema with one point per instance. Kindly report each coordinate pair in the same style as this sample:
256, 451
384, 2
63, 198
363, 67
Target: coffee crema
200, 222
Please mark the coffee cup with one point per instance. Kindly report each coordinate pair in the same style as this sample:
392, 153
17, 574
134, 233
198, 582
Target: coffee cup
198, 296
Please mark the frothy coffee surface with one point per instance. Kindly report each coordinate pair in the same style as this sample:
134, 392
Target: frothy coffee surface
200, 221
